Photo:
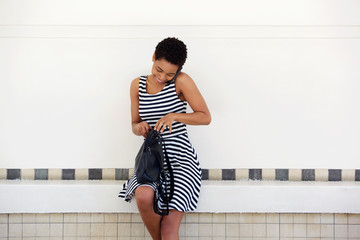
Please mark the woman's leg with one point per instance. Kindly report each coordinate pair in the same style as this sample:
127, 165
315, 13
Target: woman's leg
170, 225
145, 198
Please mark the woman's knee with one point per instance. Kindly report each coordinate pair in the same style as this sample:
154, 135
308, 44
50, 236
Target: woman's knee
144, 197
169, 229
170, 224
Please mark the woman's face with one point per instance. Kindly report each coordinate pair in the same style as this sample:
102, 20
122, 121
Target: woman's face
163, 71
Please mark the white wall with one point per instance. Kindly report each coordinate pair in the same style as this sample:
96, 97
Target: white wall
281, 79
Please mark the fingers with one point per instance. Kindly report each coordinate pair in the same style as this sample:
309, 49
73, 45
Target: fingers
162, 126
144, 128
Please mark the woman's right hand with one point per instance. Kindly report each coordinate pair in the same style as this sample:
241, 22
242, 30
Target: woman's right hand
141, 128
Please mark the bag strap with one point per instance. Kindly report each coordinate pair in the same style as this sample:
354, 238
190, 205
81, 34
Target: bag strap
160, 189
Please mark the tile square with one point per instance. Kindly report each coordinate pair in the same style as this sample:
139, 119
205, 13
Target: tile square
242, 174
308, 175
108, 174
232, 217
341, 218
228, 174
95, 174
286, 218
282, 174
97, 230
341, 231
41, 174
255, 174
218, 230
295, 174
124, 217
192, 217
13, 174
121, 173
215, 174
327, 218
357, 175
232, 230
313, 218
97, 217
205, 230
259, 218
55, 174
268, 174
70, 217
42, 217
82, 174
313, 230
111, 217
83, 229
348, 175
322, 175
110, 229
259, 230
69, 229
3, 231
219, 218
137, 230
15, 230
204, 174
4, 218
334, 174
136, 218
28, 174
246, 218
15, 218
354, 218
29, 230
124, 229
300, 218
354, 231
192, 230
68, 174
205, 218
83, 217
56, 229
3, 174
272, 230
246, 230
286, 230
299, 230
272, 217
327, 231
56, 218
42, 229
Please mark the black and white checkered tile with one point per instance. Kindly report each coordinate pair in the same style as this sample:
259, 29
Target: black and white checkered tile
207, 174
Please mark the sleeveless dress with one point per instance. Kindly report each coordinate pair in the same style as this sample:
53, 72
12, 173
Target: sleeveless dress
181, 154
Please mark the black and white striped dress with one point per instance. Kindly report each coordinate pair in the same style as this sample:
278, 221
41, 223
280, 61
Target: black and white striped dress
182, 155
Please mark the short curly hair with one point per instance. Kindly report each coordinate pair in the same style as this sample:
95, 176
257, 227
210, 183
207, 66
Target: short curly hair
173, 50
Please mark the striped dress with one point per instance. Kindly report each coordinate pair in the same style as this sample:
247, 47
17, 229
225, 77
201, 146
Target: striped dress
182, 155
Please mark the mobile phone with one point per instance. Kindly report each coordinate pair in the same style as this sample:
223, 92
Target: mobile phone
176, 74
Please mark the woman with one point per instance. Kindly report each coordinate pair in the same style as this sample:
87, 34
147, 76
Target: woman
159, 100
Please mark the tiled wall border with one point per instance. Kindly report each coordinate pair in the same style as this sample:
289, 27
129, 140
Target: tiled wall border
208, 174
203, 226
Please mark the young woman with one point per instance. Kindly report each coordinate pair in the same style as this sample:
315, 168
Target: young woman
159, 101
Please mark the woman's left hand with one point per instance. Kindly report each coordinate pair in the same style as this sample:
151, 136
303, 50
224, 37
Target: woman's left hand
165, 122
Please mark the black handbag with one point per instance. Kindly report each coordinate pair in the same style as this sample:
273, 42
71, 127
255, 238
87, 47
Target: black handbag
149, 168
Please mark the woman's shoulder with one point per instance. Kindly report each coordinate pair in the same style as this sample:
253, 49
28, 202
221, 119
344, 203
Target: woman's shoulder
183, 79
135, 84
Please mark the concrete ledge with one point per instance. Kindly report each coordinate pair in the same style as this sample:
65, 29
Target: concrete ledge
216, 196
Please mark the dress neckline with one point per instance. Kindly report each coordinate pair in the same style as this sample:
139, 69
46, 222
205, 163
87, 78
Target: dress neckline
153, 93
